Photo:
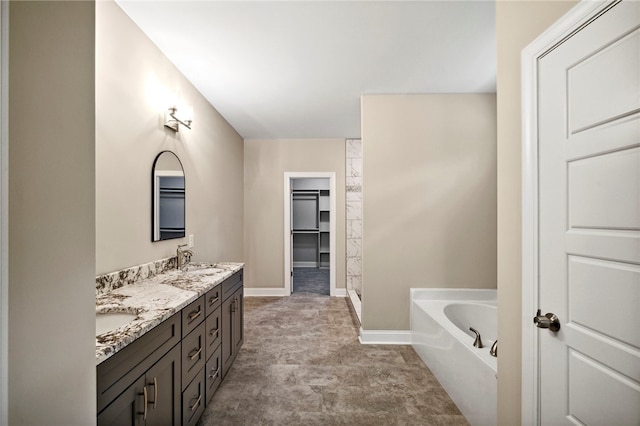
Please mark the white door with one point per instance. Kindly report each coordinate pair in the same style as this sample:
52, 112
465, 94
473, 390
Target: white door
589, 223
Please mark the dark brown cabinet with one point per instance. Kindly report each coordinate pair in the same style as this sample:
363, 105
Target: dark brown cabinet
232, 326
168, 375
152, 399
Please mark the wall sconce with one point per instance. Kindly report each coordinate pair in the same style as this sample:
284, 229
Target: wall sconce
173, 122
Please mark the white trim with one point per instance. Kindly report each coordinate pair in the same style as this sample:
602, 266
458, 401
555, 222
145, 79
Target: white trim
264, 292
385, 337
332, 226
280, 292
305, 264
340, 292
356, 304
4, 210
566, 25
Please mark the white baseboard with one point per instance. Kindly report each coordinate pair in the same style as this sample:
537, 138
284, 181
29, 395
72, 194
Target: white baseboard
385, 337
264, 292
340, 292
280, 292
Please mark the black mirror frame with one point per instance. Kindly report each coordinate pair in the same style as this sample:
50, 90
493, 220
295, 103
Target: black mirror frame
153, 198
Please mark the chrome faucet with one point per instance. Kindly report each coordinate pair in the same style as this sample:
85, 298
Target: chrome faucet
477, 343
494, 349
184, 256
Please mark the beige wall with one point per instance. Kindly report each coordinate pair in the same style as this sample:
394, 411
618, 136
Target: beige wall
51, 214
429, 199
265, 162
517, 24
134, 85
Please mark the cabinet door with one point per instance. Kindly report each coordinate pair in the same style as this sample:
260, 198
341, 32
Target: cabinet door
238, 322
127, 409
163, 390
227, 334
232, 329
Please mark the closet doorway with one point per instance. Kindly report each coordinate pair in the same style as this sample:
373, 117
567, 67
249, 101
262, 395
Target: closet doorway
310, 231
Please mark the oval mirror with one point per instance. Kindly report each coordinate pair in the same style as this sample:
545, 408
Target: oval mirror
168, 197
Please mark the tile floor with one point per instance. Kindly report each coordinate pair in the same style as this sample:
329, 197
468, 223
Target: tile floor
302, 364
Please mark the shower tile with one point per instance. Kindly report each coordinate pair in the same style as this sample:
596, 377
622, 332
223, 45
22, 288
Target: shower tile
354, 247
354, 193
354, 228
354, 266
354, 282
354, 148
354, 210
353, 180
354, 167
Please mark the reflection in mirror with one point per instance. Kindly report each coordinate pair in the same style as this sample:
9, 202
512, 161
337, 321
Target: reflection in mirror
168, 197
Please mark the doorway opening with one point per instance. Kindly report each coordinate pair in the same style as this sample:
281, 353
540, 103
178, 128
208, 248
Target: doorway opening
310, 231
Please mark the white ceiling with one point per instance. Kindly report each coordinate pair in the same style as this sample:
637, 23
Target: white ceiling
297, 69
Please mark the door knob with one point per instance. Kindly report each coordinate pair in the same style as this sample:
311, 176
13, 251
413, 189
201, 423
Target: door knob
548, 320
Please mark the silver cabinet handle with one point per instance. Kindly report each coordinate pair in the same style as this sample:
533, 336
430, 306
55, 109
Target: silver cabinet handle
195, 405
194, 315
155, 391
214, 331
213, 299
214, 374
145, 402
194, 353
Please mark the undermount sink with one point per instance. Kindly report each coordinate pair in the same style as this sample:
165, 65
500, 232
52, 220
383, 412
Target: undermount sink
201, 269
109, 321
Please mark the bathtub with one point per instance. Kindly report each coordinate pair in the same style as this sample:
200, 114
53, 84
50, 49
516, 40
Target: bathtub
440, 321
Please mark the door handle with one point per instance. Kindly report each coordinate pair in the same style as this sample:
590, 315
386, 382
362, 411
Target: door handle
548, 320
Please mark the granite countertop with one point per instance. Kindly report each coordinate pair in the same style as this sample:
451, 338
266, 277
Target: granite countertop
155, 299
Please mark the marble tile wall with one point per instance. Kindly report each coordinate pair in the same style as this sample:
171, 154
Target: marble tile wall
354, 214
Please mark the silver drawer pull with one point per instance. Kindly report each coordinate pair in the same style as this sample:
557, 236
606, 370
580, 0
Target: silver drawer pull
194, 353
155, 391
194, 315
214, 331
214, 374
197, 403
213, 300
146, 401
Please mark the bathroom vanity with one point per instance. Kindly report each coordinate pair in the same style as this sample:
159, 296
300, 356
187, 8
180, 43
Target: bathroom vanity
164, 365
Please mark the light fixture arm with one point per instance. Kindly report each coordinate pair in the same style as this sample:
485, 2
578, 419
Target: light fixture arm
173, 122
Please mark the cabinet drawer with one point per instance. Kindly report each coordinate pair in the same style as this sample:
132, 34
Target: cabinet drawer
212, 299
115, 374
213, 332
213, 372
193, 400
231, 284
193, 352
192, 315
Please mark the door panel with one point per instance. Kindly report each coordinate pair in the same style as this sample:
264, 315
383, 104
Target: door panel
589, 222
600, 395
611, 69
603, 287
163, 382
603, 191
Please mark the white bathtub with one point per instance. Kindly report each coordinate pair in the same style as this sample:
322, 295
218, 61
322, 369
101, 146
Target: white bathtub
440, 321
